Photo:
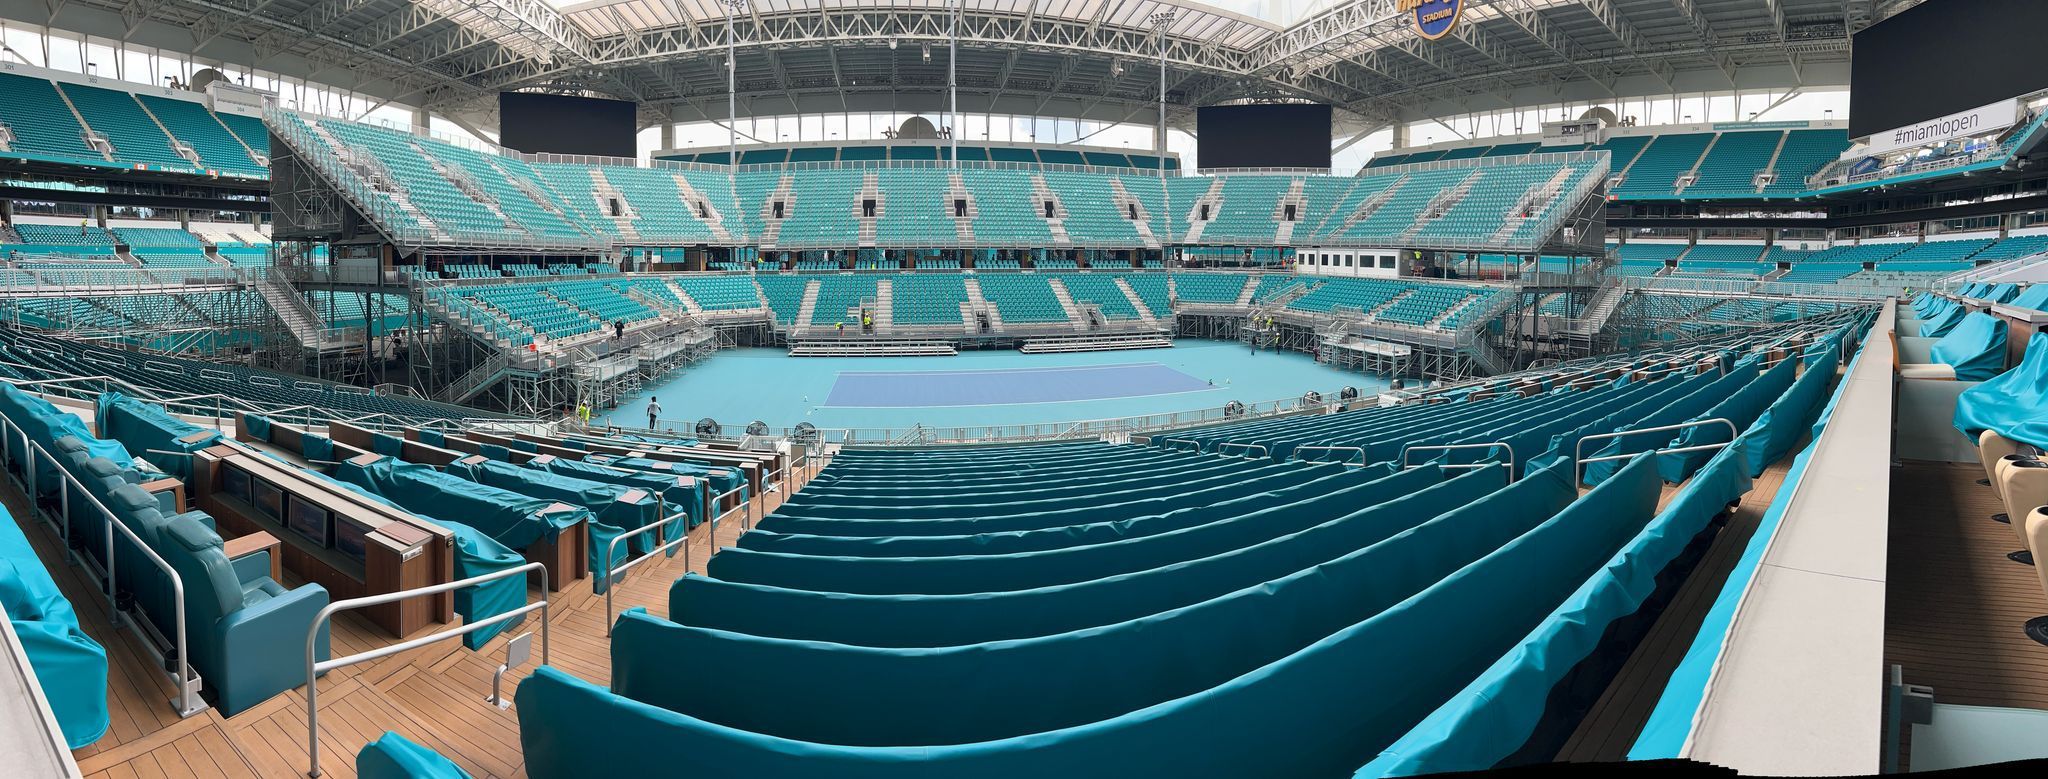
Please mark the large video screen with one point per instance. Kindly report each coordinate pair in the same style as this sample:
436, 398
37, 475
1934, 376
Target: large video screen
1937, 59
1263, 136
564, 124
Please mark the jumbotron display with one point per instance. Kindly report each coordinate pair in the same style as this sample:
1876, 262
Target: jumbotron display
1263, 136
565, 124
1941, 58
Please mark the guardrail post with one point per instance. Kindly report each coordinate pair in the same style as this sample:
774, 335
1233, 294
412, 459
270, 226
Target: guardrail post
315, 666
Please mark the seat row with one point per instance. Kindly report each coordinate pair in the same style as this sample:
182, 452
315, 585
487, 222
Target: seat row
1191, 606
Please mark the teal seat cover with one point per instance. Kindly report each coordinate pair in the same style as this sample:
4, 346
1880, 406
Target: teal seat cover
508, 517
147, 428
2013, 404
1975, 347
70, 666
393, 756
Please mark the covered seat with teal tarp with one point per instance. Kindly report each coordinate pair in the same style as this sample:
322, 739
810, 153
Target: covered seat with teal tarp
1945, 320
614, 509
148, 429
69, 665
2013, 404
512, 519
44, 423
2035, 298
723, 479
393, 756
681, 493
476, 554
1974, 350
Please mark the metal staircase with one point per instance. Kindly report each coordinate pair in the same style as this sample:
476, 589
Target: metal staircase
870, 189
1441, 205
963, 224
298, 316
1125, 202
606, 194
476, 379
702, 207
1213, 198
1067, 304
808, 310
1144, 313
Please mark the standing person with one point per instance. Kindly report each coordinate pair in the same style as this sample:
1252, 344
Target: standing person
618, 329
583, 413
653, 411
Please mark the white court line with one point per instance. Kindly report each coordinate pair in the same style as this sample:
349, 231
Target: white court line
1012, 370
1041, 402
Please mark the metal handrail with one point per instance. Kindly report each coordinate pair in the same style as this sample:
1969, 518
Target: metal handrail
1579, 449
1170, 441
613, 575
1512, 459
1263, 451
315, 667
1347, 461
747, 507
186, 705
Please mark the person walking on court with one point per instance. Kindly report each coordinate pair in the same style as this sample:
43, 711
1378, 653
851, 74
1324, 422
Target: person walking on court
653, 411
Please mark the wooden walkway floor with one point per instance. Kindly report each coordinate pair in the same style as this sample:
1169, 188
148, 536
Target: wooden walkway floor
1955, 604
1616, 718
435, 695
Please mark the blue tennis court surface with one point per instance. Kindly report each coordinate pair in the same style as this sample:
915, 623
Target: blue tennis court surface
993, 387
1002, 387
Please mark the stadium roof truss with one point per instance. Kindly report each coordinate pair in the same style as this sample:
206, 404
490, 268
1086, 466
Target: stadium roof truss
1095, 59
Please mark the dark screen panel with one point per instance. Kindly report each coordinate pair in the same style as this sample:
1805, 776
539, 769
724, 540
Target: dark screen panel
564, 124
1263, 136
1936, 59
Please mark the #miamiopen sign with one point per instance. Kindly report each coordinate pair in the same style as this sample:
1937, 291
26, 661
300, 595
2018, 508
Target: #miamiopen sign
1433, 18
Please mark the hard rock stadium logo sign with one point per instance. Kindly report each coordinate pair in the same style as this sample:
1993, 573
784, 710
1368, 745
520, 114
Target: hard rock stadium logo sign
1433, 18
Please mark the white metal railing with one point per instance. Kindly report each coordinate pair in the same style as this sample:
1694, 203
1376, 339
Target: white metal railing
221, 408
1298, 453
1247, 447
1408, 451
316, 666
613, 574
1579, 449
186, 701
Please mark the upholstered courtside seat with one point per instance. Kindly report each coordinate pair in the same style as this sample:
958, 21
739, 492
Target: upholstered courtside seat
245, 631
